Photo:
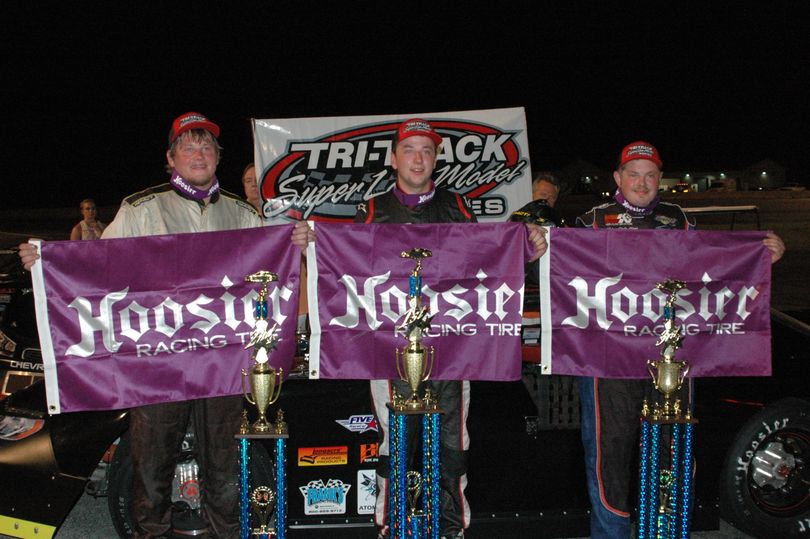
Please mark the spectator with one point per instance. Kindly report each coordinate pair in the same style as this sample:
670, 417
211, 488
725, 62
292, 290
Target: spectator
89, 228
545, 186
251, 187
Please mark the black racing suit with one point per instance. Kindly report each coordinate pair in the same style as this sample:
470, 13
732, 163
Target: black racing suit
454, 396
611, 408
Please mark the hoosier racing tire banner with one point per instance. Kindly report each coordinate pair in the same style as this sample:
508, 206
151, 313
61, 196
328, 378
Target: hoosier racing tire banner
134, 321
472, 284
601, 312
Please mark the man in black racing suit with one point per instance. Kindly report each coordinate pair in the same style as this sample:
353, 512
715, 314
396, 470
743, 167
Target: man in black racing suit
610, 407
415, 199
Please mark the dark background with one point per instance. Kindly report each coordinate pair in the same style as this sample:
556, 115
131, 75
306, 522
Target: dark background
89, 90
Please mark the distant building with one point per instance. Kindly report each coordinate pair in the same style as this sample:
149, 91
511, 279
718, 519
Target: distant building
764, 175
581, 177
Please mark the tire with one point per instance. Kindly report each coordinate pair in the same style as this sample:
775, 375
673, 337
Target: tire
765, 480
119, 489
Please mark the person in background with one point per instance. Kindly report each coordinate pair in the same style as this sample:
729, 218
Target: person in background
546, 187
251, 187
610, 407
89, 228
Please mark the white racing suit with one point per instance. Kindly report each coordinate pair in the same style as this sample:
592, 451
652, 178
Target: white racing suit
157, 430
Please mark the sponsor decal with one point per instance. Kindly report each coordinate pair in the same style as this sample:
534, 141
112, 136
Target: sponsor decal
17, 428
640, 149
369, 453
26, 365
358, 423
325, 499
366, 491
667, 222
192, 118
328, 176
323, 456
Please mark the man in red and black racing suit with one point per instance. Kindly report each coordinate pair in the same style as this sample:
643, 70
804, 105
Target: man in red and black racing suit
415, 199
610, 407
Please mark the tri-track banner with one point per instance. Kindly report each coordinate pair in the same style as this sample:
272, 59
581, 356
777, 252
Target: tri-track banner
134, 321
602, 313
472, 285
322, 168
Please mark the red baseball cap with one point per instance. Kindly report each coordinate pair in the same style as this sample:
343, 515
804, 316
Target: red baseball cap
191, 120
640, 150
417, 127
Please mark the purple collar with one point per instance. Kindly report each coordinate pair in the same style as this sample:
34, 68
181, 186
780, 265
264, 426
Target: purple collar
414, 200
187, 190
619, 197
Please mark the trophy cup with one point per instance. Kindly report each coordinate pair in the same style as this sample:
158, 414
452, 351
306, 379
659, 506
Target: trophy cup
263, 501
414, 365
265, 381
414, 361
265, 389
665, 480
667, 374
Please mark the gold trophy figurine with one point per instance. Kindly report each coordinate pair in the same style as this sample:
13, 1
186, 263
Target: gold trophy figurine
667, 374
413, 484
415, 362
265, 381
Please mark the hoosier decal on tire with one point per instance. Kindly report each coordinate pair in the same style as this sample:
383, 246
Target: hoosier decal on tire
765, 489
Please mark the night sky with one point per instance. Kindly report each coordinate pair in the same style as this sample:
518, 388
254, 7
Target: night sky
89, 90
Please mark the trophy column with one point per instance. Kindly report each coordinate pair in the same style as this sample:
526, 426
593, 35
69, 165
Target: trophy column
413, 496
266, 502
666, 489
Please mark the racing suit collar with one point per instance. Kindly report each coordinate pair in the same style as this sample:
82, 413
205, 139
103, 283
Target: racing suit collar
414, 200
186, 190
648, 210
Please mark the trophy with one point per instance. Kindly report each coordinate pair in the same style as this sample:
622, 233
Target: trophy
265, 389
414, 365
666, 460
265, 381
667, 374
414, 361
263, 501
416, 517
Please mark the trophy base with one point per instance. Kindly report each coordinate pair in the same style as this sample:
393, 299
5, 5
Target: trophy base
428, 404
416, 407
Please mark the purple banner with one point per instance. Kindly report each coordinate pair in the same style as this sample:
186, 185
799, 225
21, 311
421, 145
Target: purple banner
606, 314
135, 321
473, 284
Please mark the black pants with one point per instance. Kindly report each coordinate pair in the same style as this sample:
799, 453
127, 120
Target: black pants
156, 433
454, 399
